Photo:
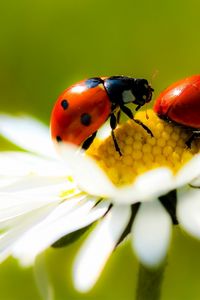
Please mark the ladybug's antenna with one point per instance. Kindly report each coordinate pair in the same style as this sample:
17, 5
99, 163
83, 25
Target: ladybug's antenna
154, 75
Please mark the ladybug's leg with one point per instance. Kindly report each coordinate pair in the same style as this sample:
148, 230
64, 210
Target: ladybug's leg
118, 116
89, 141
189, 141
113, 124
143, 126
195, 134
129, 113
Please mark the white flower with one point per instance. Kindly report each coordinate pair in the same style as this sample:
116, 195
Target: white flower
39, 203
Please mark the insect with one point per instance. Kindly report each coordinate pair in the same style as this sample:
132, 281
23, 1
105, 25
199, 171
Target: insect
180, 103
83, 107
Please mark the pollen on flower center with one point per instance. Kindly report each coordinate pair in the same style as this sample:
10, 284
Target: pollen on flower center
140, 151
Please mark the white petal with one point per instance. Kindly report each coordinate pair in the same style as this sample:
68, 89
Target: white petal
28, 133
188, 210
6, 181
21, 163
26, 195
189, 172
41, 194
8, 239
98, 247
33, 182
13, 205
54, 227
15, 163
88, 175
146, 187
151, 233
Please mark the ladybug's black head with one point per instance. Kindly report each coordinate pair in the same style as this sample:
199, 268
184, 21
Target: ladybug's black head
123, 90
142, 92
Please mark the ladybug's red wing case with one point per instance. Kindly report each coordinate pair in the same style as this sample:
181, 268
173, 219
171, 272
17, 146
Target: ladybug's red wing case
181, 102
79, 112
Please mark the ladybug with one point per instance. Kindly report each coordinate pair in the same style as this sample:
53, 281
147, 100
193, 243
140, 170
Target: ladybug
83, 107
180, 104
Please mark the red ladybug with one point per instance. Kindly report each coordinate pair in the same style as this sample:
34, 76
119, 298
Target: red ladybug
82, 108
180, 103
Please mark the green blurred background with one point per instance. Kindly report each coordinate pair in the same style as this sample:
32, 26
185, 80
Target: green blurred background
48, 45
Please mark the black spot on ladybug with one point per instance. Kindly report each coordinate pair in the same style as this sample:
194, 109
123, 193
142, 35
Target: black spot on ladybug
58, 139
85, 119
64, 104
93, 82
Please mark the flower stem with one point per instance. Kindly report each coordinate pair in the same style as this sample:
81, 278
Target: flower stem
149, 283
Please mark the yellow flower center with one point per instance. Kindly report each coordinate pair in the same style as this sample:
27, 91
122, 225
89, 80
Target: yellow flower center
140, 151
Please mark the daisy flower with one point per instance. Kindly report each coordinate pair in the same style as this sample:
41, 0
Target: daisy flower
152, 186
